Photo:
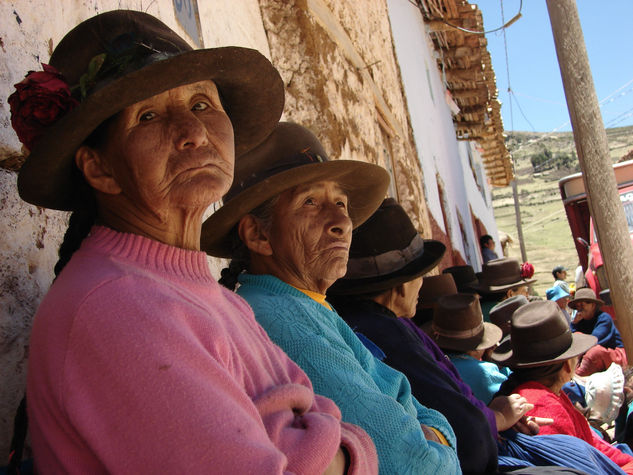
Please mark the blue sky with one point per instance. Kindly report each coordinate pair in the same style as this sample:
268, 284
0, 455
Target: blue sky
538, 99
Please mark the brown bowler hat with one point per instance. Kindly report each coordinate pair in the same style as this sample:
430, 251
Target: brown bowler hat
386, 251
501, 313
584, 295
499, 275
434, 287
141, 57
458, 324
464, 276
290, 156
540, 335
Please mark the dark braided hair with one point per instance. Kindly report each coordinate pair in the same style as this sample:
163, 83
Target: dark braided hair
84, 214
240, 254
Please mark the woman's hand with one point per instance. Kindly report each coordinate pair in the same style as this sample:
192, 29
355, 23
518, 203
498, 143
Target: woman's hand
339, 464
429, 434
510, 412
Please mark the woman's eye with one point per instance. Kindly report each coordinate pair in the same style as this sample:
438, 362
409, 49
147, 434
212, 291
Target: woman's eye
200, 106
342, 204
309, 201
147, 116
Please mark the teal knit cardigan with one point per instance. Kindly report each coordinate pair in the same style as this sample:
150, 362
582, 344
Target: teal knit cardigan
369, 393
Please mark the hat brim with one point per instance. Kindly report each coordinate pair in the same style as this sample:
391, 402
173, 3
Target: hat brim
580, 344
250, 87
490, 337
431, 257
494, 289
596, 301
364, 183
504, 350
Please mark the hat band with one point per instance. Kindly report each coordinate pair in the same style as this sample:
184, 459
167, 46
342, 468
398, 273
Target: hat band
385, 263
458, 334
541, 350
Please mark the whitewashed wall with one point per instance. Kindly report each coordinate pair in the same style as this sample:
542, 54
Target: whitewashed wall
31, 235
438, 149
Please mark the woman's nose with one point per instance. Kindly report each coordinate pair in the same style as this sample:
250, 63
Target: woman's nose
188, 130
340, 222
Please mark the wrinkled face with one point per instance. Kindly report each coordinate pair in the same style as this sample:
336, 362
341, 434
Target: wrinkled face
585, 310
173, 150
310, 235
410, 297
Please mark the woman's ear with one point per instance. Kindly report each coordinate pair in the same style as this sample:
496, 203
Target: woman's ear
94, 170
252, 234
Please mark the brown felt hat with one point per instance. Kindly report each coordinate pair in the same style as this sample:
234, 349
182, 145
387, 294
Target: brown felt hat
290, 156
458, 324
585, 295
501, 313
143, 57
464, 276
434, 287
540, 335
499, 275
386, 251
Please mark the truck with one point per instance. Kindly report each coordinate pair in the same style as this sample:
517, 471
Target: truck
574, 195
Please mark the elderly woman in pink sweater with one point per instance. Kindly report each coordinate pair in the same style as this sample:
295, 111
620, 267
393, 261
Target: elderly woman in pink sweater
140, 362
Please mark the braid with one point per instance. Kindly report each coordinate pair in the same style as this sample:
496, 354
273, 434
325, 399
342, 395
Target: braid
240, 254
81, 221
239, 262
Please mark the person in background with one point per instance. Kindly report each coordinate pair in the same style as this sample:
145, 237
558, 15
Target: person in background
377, 298
487, 248
501, 279
459, 330
591, 320
287, 222
139, 361
543, 358
560, 274
559, 295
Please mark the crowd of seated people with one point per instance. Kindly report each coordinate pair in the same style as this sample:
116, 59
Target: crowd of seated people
307, 359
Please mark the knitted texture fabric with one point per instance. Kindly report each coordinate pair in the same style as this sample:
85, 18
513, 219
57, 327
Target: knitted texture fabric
369, 393
484, 378
567, 420
141, 363
431, 383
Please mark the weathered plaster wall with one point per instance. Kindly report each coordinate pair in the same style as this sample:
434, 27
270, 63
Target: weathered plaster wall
328, 93
31, 235
445, 161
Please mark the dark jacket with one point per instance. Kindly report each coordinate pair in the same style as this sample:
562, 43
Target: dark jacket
476, 447
602, 327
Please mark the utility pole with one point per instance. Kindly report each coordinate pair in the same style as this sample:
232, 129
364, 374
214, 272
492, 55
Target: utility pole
595, 163
517, 216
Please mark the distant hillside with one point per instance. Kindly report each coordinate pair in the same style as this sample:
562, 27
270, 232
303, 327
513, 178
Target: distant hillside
541, 159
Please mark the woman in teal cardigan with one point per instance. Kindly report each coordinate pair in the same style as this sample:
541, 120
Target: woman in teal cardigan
288, 221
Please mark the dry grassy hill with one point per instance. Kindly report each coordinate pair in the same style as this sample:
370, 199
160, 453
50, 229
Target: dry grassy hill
541, 159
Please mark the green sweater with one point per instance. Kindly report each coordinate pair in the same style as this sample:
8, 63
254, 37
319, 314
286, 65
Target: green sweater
368, 392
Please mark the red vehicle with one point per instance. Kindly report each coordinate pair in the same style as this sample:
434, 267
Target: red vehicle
572, 190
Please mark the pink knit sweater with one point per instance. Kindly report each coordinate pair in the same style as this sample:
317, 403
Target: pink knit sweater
141, 363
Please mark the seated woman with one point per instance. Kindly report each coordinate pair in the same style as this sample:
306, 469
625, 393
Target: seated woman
589, 319
288, 222
543, 358
139, 361
459, 330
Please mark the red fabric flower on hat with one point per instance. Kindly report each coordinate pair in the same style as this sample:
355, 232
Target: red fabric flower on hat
39, 100
527, 270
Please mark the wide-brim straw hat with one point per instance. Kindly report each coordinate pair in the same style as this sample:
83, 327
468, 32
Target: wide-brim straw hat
585, 294
290, 156
499, 275
458, 324
386, 251
464, 276
146, 58
540, 335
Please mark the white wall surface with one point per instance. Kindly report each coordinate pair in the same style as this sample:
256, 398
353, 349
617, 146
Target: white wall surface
31, 235
438, 149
